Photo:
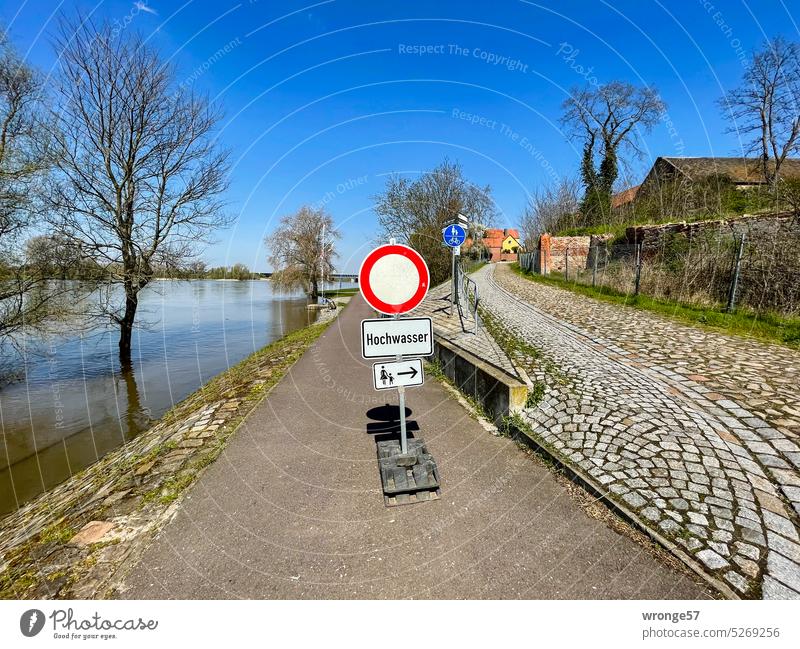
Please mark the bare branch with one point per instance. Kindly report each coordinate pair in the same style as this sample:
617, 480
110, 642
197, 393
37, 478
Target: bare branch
765, 109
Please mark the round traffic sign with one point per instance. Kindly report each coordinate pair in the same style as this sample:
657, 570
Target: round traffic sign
454, 235
393, 279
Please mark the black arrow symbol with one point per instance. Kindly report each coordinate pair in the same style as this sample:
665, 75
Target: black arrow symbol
413, 372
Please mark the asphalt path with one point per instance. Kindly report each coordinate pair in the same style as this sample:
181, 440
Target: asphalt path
293, 507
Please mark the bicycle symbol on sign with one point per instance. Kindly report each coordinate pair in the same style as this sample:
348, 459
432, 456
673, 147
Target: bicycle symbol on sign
454, 235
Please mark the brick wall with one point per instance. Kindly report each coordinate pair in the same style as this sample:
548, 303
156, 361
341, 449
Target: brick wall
573, 251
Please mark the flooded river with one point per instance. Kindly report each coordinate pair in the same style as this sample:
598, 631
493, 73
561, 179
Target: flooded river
73, 402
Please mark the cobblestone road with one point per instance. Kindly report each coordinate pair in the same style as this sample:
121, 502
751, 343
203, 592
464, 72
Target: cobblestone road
694, 431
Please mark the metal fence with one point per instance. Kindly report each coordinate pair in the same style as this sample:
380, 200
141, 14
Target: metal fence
720, 269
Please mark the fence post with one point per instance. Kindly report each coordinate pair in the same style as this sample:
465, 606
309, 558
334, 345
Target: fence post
566, 264
594, 266
735, 279
638, 268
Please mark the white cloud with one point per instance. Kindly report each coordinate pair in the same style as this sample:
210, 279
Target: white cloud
143, 6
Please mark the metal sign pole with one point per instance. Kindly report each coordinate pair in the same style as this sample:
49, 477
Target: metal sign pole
457, 235
452, 280
401, 391
403, 435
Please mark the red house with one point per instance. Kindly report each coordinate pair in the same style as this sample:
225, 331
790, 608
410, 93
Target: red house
499, 244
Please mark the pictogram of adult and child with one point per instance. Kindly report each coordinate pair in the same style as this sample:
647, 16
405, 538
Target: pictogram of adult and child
386, 376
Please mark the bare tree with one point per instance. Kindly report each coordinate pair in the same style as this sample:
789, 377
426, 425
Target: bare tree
302, 250
789, 194
606, 119
139, 174
23, 163
765, 107
197, 269
550, 209
415, 211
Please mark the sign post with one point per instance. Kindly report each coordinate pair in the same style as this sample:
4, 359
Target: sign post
401, 397
454, 235
393, 280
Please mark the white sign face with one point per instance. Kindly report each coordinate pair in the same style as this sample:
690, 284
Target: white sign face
395, 374
394, 279
391, 337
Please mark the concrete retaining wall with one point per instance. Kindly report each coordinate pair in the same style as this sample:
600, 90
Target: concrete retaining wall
498, 393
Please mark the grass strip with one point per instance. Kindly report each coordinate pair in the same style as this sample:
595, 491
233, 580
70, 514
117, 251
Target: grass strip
765, 326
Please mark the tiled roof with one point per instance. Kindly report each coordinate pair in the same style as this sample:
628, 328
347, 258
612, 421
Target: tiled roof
625, 196
494, 237
740, 170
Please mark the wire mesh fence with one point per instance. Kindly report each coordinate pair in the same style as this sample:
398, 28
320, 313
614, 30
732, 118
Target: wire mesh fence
719, 269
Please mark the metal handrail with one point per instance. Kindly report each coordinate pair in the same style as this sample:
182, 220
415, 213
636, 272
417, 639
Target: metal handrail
473, 303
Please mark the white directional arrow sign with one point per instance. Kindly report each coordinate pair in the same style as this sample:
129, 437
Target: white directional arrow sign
396, 374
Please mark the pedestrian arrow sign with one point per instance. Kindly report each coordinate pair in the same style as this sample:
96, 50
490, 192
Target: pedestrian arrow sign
396, 374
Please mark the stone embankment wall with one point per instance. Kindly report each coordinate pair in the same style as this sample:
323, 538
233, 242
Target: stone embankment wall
554, 253
755, 227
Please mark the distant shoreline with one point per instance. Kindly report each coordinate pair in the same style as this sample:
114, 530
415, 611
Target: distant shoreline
209, 279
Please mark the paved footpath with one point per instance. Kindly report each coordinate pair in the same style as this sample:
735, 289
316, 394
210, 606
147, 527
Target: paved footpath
293, 508
695, 431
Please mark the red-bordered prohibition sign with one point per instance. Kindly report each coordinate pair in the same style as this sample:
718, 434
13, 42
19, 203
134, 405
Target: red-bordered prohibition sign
393, 279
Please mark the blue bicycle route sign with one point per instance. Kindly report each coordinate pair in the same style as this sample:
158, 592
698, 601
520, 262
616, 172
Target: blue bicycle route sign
454, 235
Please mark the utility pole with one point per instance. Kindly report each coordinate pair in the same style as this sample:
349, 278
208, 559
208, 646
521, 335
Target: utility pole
322, 263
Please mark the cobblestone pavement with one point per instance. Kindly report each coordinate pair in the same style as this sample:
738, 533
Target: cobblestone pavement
459, 329
694, 431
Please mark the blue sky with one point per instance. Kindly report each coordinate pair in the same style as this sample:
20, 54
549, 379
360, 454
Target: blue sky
324, 99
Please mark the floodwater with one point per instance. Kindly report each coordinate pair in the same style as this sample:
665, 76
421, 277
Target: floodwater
74, 403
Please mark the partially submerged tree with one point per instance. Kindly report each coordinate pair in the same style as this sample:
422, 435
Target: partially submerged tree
606, 120
415, 211
139, 174
302, 250
551, 208
765, 107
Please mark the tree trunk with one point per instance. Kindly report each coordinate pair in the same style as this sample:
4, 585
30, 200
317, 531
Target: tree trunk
126, 325
138, 418
314, 290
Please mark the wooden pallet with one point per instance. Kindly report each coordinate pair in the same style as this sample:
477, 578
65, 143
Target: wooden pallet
409, 499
